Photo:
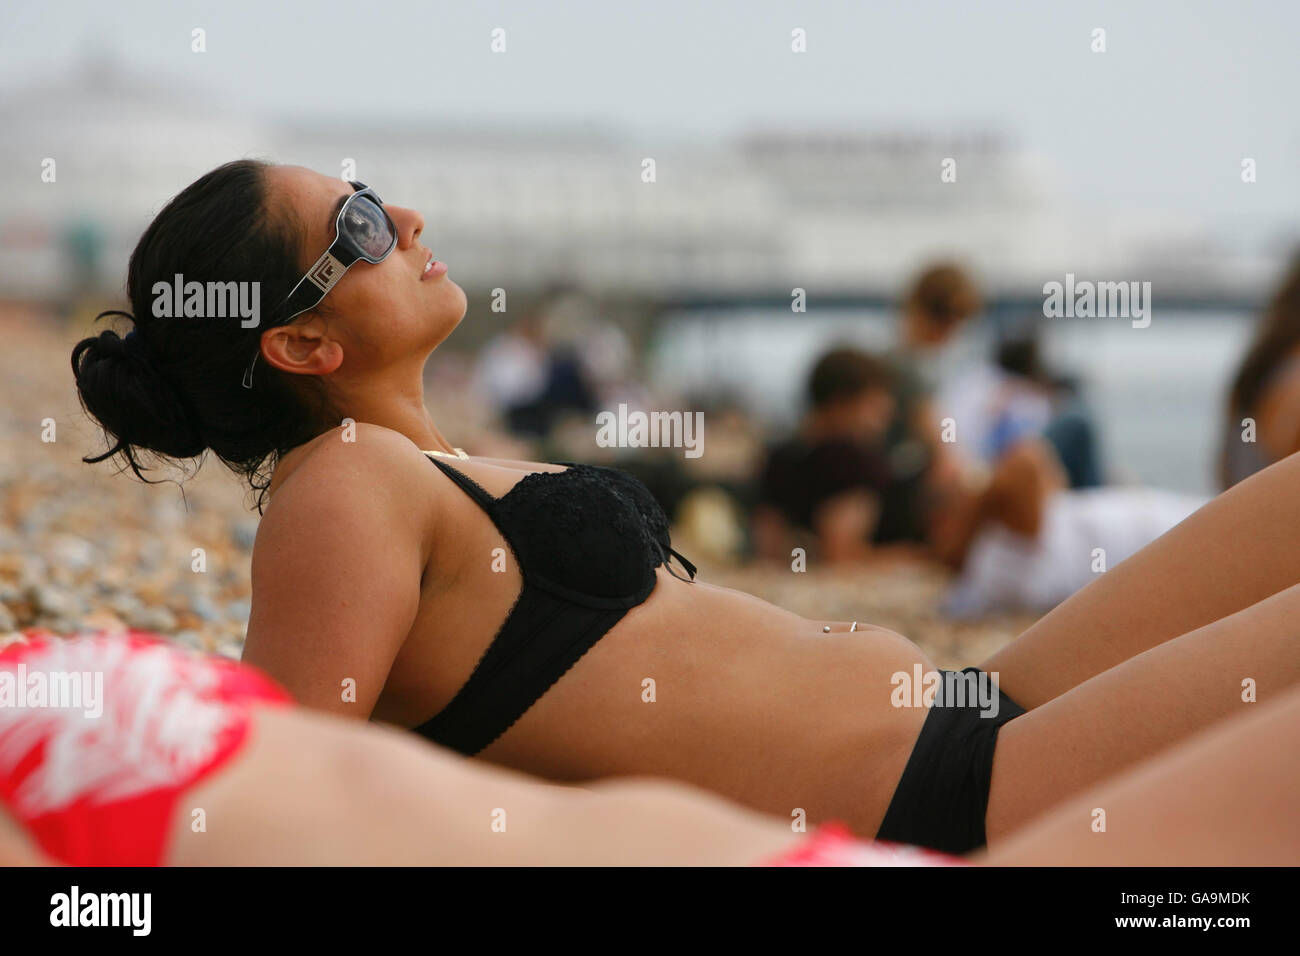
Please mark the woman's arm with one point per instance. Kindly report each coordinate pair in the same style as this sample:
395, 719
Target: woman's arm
337, 568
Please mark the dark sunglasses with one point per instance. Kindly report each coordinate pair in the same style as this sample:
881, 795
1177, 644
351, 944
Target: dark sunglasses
362, 230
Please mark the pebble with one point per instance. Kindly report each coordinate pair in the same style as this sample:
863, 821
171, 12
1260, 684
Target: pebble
159, 619
51, 601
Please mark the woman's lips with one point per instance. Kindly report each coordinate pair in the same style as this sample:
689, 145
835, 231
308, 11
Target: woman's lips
432, 269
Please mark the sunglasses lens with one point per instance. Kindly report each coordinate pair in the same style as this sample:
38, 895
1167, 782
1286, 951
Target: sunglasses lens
367, 225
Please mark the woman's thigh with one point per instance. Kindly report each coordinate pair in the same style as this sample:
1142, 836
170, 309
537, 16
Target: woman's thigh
1140, 707
1235, 551
1224, 797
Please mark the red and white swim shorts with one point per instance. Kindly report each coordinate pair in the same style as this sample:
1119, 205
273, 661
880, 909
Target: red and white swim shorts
101, 735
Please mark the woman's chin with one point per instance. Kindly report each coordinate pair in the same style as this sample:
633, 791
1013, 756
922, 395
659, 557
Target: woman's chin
444, 322
452, 301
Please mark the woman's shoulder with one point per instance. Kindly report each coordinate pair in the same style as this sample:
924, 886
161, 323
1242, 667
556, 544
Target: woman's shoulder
349, 493
357, 457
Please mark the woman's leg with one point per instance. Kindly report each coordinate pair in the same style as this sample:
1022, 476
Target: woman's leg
1141, 707
1225, 797
1237, 550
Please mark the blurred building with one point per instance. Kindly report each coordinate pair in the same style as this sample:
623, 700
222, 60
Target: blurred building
522, 206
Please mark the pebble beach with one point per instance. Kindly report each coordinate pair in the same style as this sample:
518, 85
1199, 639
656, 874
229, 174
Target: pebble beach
84, 546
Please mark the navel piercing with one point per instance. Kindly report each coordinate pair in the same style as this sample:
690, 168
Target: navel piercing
826, 628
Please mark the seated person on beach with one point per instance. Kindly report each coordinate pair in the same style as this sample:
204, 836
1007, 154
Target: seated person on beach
1031, 523
996, 404
938, 303
535, 615
822, 488
1020, 537
277, 785
1263, 419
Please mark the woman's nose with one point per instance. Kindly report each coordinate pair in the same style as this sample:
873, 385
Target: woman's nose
409, 224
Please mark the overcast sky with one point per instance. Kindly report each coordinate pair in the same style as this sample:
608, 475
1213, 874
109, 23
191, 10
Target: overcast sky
1161, 120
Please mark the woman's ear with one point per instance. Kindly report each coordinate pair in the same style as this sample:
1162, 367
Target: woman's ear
301, 349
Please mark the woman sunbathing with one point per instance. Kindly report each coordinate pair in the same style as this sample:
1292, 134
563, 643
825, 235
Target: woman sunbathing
382, 573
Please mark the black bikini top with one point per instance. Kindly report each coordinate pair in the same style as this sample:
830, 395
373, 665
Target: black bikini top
587, 541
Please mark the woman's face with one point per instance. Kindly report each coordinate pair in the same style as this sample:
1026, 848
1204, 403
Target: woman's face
380, 313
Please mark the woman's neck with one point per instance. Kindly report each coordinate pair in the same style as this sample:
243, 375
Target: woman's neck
404, 413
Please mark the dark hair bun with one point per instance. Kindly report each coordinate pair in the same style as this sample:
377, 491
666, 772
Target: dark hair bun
124, 390
174, 388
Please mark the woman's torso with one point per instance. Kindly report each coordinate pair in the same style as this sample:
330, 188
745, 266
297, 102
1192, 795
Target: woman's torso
700, 683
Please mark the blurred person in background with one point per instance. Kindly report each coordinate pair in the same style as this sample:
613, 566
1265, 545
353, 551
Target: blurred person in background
511, 369
1030, 522
1015, 532
823, 488
82, 244
938, 302
1021, 538
1266, 390
535, 374
994, 404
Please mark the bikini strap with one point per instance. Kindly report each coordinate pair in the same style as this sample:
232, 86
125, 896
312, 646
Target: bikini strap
467, 484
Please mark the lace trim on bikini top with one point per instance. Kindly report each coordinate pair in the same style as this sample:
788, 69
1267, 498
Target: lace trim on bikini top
591, 534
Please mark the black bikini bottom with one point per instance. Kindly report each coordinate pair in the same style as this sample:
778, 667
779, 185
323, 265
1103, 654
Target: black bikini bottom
944, 791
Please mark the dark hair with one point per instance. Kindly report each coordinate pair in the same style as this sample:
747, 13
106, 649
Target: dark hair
1019, 352
1276, 337
174, 386
846, 372
944, 293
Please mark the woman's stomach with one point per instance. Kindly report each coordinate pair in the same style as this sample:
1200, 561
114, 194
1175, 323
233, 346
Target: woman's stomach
719, 688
